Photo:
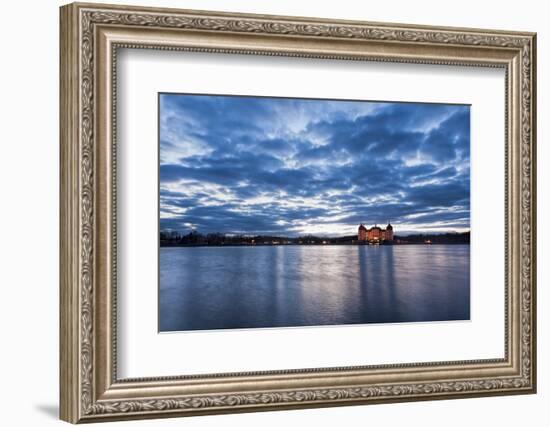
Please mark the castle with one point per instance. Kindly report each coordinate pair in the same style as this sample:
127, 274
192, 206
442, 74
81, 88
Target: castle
375, 234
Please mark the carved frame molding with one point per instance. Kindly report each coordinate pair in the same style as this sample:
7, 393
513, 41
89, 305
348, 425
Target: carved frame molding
90, 36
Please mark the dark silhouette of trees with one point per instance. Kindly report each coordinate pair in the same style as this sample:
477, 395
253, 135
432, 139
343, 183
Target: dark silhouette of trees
194, 238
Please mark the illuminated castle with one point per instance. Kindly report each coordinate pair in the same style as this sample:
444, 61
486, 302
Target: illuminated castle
375, 234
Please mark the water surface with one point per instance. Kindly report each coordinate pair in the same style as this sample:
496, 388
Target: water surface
276, 286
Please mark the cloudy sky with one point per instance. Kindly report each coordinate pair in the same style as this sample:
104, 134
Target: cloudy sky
297, 166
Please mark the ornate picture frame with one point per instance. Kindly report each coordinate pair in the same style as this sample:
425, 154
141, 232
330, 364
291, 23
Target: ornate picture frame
90, 37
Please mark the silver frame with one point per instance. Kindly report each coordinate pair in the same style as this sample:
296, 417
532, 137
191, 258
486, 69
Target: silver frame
90, 37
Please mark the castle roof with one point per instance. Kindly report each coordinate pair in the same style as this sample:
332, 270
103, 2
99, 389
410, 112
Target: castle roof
389, 227
362, 227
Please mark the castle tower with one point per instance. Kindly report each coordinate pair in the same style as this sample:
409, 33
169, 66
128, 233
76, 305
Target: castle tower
389, 232
362, 233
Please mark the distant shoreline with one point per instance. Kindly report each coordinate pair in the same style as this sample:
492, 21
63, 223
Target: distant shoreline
202, 245
221, 240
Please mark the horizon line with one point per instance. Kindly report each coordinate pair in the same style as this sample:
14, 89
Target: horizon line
244, 234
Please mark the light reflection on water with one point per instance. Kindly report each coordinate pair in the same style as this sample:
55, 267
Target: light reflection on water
274, 286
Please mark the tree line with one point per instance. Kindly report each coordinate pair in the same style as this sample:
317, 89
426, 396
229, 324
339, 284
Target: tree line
194, 238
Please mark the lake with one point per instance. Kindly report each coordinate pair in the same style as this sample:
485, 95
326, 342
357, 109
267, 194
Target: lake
276, 286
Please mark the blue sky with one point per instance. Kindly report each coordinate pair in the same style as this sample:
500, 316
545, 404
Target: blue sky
289, 167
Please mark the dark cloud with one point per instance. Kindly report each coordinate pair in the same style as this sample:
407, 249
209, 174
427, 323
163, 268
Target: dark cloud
270, 165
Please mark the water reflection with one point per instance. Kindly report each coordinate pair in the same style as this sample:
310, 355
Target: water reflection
275, 286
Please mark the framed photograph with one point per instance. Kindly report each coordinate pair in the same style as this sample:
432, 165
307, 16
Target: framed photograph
266, 212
